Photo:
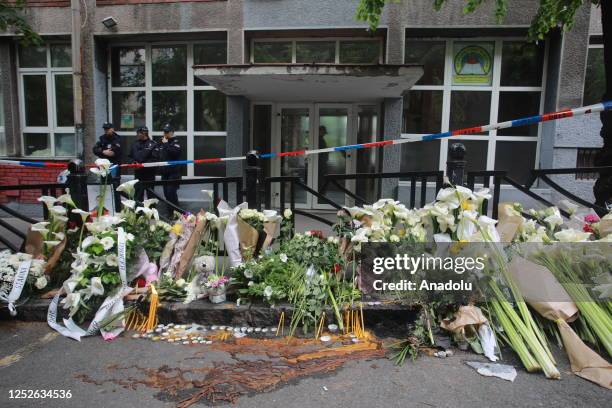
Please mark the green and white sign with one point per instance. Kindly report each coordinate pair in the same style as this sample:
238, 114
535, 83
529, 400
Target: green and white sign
473, 63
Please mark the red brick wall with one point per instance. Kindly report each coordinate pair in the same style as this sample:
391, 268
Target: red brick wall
18, 175
119, 2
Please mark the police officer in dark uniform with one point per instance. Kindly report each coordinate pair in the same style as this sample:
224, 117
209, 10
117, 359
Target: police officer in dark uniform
169, 148
109, 147
142, 151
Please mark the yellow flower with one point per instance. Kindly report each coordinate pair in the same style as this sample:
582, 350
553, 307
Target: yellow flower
466, 205
177, 228
401, 232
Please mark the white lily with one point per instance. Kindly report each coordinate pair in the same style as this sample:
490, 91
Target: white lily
51, 244
131, 204
89, 241
149, 202
128, 187
102, 169
572, 235
57, 210
487, 226
96, 288
83, 214
48, 200
66, 199
72, 301
466, 226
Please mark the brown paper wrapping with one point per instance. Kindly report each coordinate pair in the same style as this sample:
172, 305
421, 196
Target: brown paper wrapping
465, 316
34, 245
271, 230
585, 362
180, 244
605, 227
55, 256
508, 224
192, 245
248, 237
536, 282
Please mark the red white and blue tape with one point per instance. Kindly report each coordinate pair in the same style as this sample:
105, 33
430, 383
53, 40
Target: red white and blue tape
530, 120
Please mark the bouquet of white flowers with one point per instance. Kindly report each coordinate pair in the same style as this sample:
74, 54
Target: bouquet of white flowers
18, 271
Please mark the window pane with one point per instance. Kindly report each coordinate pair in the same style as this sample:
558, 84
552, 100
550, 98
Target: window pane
65, 144
420, 156
210, 53
422, 112
64, 100
469, 108
169, 66
517, 158
35, 100
359, 52
37, 144
473, 63
315, 51
595, 78
208, 147
272, 52
128, 66
431, 55
61, 55
209, 111
522, 64
129, 110
33, 57
170, 107
476, 153
182, 141
515, 105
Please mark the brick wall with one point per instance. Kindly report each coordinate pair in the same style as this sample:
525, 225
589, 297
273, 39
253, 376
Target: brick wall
18, 175
119, 2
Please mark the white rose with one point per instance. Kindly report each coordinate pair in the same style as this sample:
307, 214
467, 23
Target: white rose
283, 257
40, 282
180, 283
287, 213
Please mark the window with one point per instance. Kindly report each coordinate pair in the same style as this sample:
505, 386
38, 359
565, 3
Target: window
2, 131
46, 101
316, 51
585, 157
470, 83
595, 77
154, 84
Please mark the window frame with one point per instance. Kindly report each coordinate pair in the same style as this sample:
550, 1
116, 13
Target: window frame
49, 72
294, 40
495, 89
189, 88
586, 62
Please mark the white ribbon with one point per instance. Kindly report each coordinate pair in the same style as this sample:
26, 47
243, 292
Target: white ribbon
112, 305
18, 283
230, 235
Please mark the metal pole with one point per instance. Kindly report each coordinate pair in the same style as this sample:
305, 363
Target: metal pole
77, 184
253, 177
77, 75
455, 165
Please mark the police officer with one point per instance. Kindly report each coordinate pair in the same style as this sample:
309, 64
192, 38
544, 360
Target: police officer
170, 149
109, 147
142, 152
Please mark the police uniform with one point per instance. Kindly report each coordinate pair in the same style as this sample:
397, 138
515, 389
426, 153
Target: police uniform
166, 151
142, 151
112, 142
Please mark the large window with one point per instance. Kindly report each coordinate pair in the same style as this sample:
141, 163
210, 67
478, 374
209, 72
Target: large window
470, 83
46, 101
153, 84
595, 78
317, 51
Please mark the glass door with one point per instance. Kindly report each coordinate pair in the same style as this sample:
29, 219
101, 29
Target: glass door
295, 134
333, 127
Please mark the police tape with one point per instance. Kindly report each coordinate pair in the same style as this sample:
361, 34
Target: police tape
530, 120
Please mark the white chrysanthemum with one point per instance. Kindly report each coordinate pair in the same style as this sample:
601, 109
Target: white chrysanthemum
107, 243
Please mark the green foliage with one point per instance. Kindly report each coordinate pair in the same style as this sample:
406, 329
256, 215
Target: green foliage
308, 249
12, 17
550, 14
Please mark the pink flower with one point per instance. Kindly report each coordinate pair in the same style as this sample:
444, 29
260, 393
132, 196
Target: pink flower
591, 218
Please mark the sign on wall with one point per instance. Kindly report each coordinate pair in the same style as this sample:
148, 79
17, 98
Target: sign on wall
473, 63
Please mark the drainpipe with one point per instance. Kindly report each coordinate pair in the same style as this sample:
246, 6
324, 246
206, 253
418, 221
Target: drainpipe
77, 74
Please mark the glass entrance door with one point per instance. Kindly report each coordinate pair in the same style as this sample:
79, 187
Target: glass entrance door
295, 130
332, 129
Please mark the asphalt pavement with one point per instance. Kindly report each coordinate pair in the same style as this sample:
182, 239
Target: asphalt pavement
125, 373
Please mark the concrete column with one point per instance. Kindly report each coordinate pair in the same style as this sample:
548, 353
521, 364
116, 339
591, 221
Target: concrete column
392, 154
10, 103
95, 106
237, 132
395, 33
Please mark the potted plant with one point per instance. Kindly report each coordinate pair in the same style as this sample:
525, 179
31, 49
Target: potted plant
216, 286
